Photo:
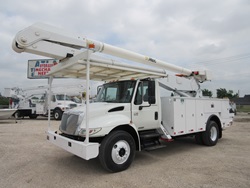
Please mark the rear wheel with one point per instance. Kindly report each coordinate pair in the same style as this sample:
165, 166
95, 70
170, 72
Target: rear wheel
33, 116
211, 135
17, 114
117, 151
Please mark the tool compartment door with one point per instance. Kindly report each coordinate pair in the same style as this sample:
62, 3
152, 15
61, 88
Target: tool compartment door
173, 115
190, 106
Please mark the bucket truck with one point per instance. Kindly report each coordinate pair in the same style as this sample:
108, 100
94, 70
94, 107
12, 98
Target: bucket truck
33, 102
130, 113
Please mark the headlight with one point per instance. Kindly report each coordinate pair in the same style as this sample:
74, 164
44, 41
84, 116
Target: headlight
92, 131
65, 108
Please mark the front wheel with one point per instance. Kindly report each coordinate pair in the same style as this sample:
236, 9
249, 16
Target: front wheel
58, 114
117, 151
211, 135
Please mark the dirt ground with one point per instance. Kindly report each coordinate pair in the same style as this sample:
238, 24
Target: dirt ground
28, 160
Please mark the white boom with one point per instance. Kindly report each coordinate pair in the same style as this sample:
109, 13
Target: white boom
46, 40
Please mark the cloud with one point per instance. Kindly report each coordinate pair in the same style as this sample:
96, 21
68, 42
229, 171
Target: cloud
211, 47
185, 33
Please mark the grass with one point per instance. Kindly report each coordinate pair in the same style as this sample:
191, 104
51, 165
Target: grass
243, 108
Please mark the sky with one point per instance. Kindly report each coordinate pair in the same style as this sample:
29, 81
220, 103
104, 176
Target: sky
195, 34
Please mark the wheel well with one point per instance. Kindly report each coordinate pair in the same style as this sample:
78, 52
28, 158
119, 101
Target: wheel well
217, 120
131, 131
57, 108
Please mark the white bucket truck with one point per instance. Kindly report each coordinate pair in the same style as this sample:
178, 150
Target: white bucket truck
129, 114
36, 104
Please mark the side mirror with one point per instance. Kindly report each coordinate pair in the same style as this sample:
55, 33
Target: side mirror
151, 99
99, 89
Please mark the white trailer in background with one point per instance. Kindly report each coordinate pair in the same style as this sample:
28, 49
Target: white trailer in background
7, 113
130, 112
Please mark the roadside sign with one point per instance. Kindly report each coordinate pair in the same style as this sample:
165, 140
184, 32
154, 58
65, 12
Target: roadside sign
38, 68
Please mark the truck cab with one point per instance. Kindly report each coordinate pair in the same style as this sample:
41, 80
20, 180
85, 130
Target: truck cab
135, 103
59, 104
139, 96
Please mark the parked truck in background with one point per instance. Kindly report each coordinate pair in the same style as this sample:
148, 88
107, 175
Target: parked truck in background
36, 104
132, 111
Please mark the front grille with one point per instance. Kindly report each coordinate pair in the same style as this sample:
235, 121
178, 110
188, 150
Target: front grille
70, 121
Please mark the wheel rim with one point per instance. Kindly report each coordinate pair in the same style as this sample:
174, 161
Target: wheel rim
120, 152
56, 115
17, 115
213, 133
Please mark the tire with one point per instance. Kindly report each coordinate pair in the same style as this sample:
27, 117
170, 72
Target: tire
198, 138
117, 151
33, 116
211, 135
58, 114
17, 114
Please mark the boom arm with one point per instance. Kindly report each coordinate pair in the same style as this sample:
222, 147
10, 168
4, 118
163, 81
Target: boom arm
45, 40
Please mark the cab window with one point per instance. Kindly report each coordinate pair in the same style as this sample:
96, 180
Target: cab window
142, 93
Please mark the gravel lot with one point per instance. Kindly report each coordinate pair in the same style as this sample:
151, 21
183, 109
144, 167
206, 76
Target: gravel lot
28, 160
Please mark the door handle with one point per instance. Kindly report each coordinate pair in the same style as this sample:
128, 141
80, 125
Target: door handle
156, 115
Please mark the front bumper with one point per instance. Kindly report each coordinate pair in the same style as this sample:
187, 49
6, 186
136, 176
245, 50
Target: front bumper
84, 150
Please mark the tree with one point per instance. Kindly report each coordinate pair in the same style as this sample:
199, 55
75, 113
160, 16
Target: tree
83, 94
223, 93
4, 100
231, 94
206, 92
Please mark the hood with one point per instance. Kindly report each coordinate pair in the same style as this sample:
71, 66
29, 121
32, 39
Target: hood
62, 102
73, 120
101, 108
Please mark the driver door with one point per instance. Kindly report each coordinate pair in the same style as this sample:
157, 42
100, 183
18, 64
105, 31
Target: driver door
147, 117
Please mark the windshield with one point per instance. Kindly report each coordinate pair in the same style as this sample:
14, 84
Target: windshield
76, 100
116, 92
62, 97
